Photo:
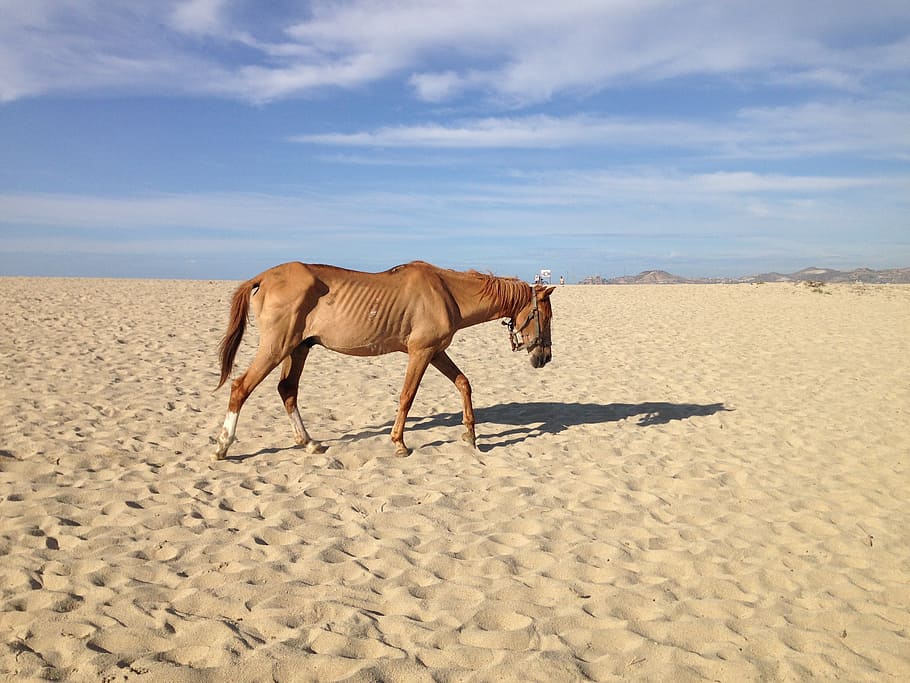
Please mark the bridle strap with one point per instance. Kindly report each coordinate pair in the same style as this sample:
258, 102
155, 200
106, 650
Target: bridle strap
515, 334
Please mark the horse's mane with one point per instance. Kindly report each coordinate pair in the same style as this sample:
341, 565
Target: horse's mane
509, 293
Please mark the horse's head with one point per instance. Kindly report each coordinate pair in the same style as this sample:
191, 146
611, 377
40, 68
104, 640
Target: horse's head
530, 328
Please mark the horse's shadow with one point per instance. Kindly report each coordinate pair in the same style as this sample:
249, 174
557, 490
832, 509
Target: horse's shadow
529, 420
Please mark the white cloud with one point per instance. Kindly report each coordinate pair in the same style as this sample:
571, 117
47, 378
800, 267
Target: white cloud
724, 192
264, 83
590, 211
199, 16
515, 132
748, 183
871, 128
50, 46
351, 211
527, 52
221, 212
511, 50
436, 87
875, 129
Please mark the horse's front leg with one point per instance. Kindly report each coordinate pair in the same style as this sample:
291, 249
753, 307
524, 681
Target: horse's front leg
444, 364
288, 389
417, 365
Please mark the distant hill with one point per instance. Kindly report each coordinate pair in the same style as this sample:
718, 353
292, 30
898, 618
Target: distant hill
826, 275
650, 277
888, 276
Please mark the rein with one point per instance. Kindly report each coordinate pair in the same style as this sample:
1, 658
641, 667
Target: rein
515, 338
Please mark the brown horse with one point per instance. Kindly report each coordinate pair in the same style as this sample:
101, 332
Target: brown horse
415, 308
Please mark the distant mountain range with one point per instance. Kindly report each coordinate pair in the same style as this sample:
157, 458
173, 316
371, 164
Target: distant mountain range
826, 275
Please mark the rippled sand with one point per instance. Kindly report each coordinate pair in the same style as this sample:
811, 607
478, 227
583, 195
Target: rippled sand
707, 482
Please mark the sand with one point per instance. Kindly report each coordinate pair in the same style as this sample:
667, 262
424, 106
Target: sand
707, 483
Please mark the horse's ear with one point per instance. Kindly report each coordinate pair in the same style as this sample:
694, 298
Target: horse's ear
547, 292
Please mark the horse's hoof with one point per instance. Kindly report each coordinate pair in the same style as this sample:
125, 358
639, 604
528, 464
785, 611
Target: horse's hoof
402, 451
224, 443
470, 439
315, 447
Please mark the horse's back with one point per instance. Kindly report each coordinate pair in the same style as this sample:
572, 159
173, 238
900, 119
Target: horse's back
294, 277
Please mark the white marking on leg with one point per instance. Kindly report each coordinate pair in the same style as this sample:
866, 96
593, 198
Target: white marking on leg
230, 425
226, 438
300, 432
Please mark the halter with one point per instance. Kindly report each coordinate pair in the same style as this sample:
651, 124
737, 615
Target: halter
515, 338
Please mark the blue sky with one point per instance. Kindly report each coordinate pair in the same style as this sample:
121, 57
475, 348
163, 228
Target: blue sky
215, 138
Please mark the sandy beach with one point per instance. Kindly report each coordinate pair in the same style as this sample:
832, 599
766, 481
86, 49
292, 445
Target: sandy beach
709, 482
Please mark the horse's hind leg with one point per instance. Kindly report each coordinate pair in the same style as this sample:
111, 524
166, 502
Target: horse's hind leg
288, 388
444, 364
241, 388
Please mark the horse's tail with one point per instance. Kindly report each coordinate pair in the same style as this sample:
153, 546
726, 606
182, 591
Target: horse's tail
236, 326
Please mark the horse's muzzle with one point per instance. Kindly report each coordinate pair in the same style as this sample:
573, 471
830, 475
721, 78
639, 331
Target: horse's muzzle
540, 356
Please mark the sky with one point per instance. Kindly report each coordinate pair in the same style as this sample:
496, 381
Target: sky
216, 138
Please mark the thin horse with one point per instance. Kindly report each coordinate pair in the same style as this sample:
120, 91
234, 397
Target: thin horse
415, 308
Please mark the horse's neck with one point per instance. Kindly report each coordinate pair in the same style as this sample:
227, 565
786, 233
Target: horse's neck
476, 310
477, 307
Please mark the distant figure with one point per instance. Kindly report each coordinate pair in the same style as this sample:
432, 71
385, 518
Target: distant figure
562, 280
537, 278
